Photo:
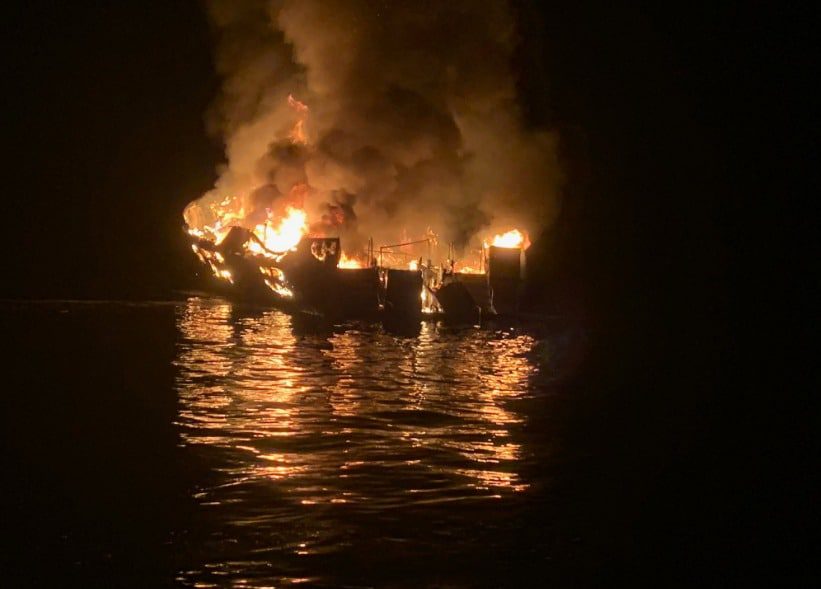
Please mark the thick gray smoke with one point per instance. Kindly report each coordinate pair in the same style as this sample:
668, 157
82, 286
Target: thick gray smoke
413, 121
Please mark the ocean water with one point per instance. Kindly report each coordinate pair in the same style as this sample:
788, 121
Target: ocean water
205, 444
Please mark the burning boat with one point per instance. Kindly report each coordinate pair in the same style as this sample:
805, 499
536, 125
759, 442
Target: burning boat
304, 273
273, 235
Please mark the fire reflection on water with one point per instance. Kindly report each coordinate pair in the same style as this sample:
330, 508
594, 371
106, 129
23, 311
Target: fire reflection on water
352, 418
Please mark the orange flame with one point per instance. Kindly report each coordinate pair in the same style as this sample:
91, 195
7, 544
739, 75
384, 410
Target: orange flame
348, 262
295, 104
282, 237
298, 134
512, 239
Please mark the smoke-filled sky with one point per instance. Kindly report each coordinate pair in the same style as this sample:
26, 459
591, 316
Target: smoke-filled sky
413, 119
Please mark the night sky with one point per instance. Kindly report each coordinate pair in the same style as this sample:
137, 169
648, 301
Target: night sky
106, 141
666, 118
108, 144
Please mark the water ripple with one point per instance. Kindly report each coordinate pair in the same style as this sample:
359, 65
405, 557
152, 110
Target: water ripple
307, 432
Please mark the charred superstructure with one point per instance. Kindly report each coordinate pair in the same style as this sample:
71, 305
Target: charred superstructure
314, 277
403, 292
505, 278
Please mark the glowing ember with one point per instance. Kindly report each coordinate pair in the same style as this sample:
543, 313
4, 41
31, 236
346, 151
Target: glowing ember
413, 265
513, 238
429, 303
275, 280
280, 289
227, 213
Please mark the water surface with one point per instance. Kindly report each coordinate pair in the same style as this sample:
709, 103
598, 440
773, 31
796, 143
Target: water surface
252, 448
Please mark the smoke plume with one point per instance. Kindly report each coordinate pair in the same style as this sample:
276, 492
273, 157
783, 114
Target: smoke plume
402, 117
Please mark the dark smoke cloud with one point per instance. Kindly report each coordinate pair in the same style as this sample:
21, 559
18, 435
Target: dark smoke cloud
413, 121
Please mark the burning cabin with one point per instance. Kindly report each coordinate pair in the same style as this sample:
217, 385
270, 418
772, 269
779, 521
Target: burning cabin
313, 276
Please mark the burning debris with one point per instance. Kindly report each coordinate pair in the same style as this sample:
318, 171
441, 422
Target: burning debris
341, 131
